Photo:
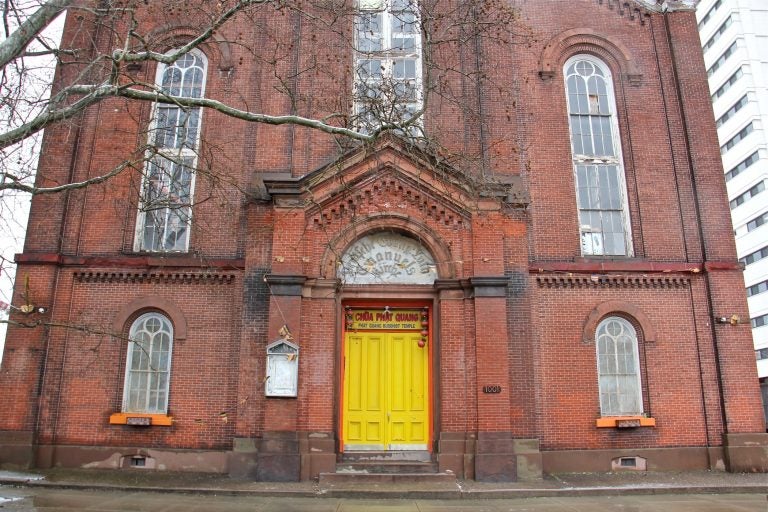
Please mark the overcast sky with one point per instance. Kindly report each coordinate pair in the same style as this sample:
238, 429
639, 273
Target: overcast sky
14, 210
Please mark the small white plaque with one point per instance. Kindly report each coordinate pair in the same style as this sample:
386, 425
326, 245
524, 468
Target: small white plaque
282, 369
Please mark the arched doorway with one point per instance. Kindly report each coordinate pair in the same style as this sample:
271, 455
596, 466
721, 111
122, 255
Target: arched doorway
386, 381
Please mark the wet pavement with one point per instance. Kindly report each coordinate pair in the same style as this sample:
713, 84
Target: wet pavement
63, 490
64, 500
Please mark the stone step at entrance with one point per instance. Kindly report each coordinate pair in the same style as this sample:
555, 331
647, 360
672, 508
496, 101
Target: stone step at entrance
386, 467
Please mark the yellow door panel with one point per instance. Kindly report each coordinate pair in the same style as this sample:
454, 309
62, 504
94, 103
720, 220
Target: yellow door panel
386, 402
364, 413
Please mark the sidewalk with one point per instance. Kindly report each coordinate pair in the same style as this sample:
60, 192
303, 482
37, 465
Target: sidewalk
580, 484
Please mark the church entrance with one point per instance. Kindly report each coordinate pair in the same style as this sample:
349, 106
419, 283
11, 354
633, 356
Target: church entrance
386, 353
386, 379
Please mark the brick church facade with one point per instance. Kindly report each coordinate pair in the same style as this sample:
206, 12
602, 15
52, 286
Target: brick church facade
569, 301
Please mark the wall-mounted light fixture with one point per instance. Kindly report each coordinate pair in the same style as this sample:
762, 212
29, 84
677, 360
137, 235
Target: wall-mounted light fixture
733, 319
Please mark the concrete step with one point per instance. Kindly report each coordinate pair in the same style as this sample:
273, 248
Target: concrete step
379, 456
386, 478
387, 467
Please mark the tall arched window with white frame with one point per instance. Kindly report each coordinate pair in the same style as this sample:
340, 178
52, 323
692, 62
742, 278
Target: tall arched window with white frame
148, 365
618, 368
601, 192
165, 206
388, 82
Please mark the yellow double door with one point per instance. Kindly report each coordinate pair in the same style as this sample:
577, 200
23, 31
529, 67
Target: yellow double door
386, 392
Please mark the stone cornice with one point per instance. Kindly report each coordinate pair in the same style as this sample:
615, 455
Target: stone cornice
658, 5
285, 285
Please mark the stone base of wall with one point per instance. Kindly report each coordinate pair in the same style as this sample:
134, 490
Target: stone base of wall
292, 456
17, 450
489, 456
121, 457
277, 457
746, 453
652, 459
318, 454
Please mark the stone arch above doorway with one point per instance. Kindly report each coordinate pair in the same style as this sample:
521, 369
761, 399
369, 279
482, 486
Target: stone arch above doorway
386, 257
431, 242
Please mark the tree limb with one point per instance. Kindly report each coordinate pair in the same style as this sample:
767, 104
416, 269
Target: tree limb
20, 38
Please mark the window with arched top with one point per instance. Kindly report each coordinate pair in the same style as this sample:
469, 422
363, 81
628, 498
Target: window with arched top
165, 206
388, 58
597, 162
148, 365
618, 368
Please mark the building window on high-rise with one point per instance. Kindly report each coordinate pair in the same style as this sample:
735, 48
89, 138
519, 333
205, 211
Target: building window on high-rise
722, 59
732, 111
757, 222
388, 59
759, 321
719, 32
598, 171
728, 84
761, 354
709, 14
757, 288
746, 196
743, 166
755, 256
165, 206
736, 139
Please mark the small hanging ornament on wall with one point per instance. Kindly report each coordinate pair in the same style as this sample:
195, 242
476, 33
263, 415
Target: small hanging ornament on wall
348, 318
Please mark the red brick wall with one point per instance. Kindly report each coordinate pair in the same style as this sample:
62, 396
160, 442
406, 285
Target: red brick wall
529, 341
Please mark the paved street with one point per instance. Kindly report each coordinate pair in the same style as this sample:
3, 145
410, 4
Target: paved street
61, 500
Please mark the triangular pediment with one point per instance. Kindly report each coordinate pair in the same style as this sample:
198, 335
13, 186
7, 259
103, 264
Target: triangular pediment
393, 172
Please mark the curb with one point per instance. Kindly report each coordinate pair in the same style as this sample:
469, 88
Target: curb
456, 494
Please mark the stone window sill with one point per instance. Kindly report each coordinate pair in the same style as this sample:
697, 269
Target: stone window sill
625, 422
140, 419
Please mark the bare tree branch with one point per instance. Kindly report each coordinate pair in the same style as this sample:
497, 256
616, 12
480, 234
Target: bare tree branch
19, 39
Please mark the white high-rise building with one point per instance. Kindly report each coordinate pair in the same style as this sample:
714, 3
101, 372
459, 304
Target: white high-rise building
734, 37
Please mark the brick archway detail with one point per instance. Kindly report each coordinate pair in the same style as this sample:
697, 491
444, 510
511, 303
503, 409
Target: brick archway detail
446, 269
587, 40
621, 308
171, 34
152, 303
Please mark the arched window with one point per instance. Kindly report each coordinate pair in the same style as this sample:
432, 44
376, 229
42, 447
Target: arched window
597, 161
388, 86
165, 207
148, 365
618, 368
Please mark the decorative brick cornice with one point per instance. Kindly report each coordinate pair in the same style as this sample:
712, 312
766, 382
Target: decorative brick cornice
608, 281
154, 277
633, 10
145, 261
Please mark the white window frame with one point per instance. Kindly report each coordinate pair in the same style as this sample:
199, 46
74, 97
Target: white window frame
387, 56
591, 240
146, 354
616, 380
186, 155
